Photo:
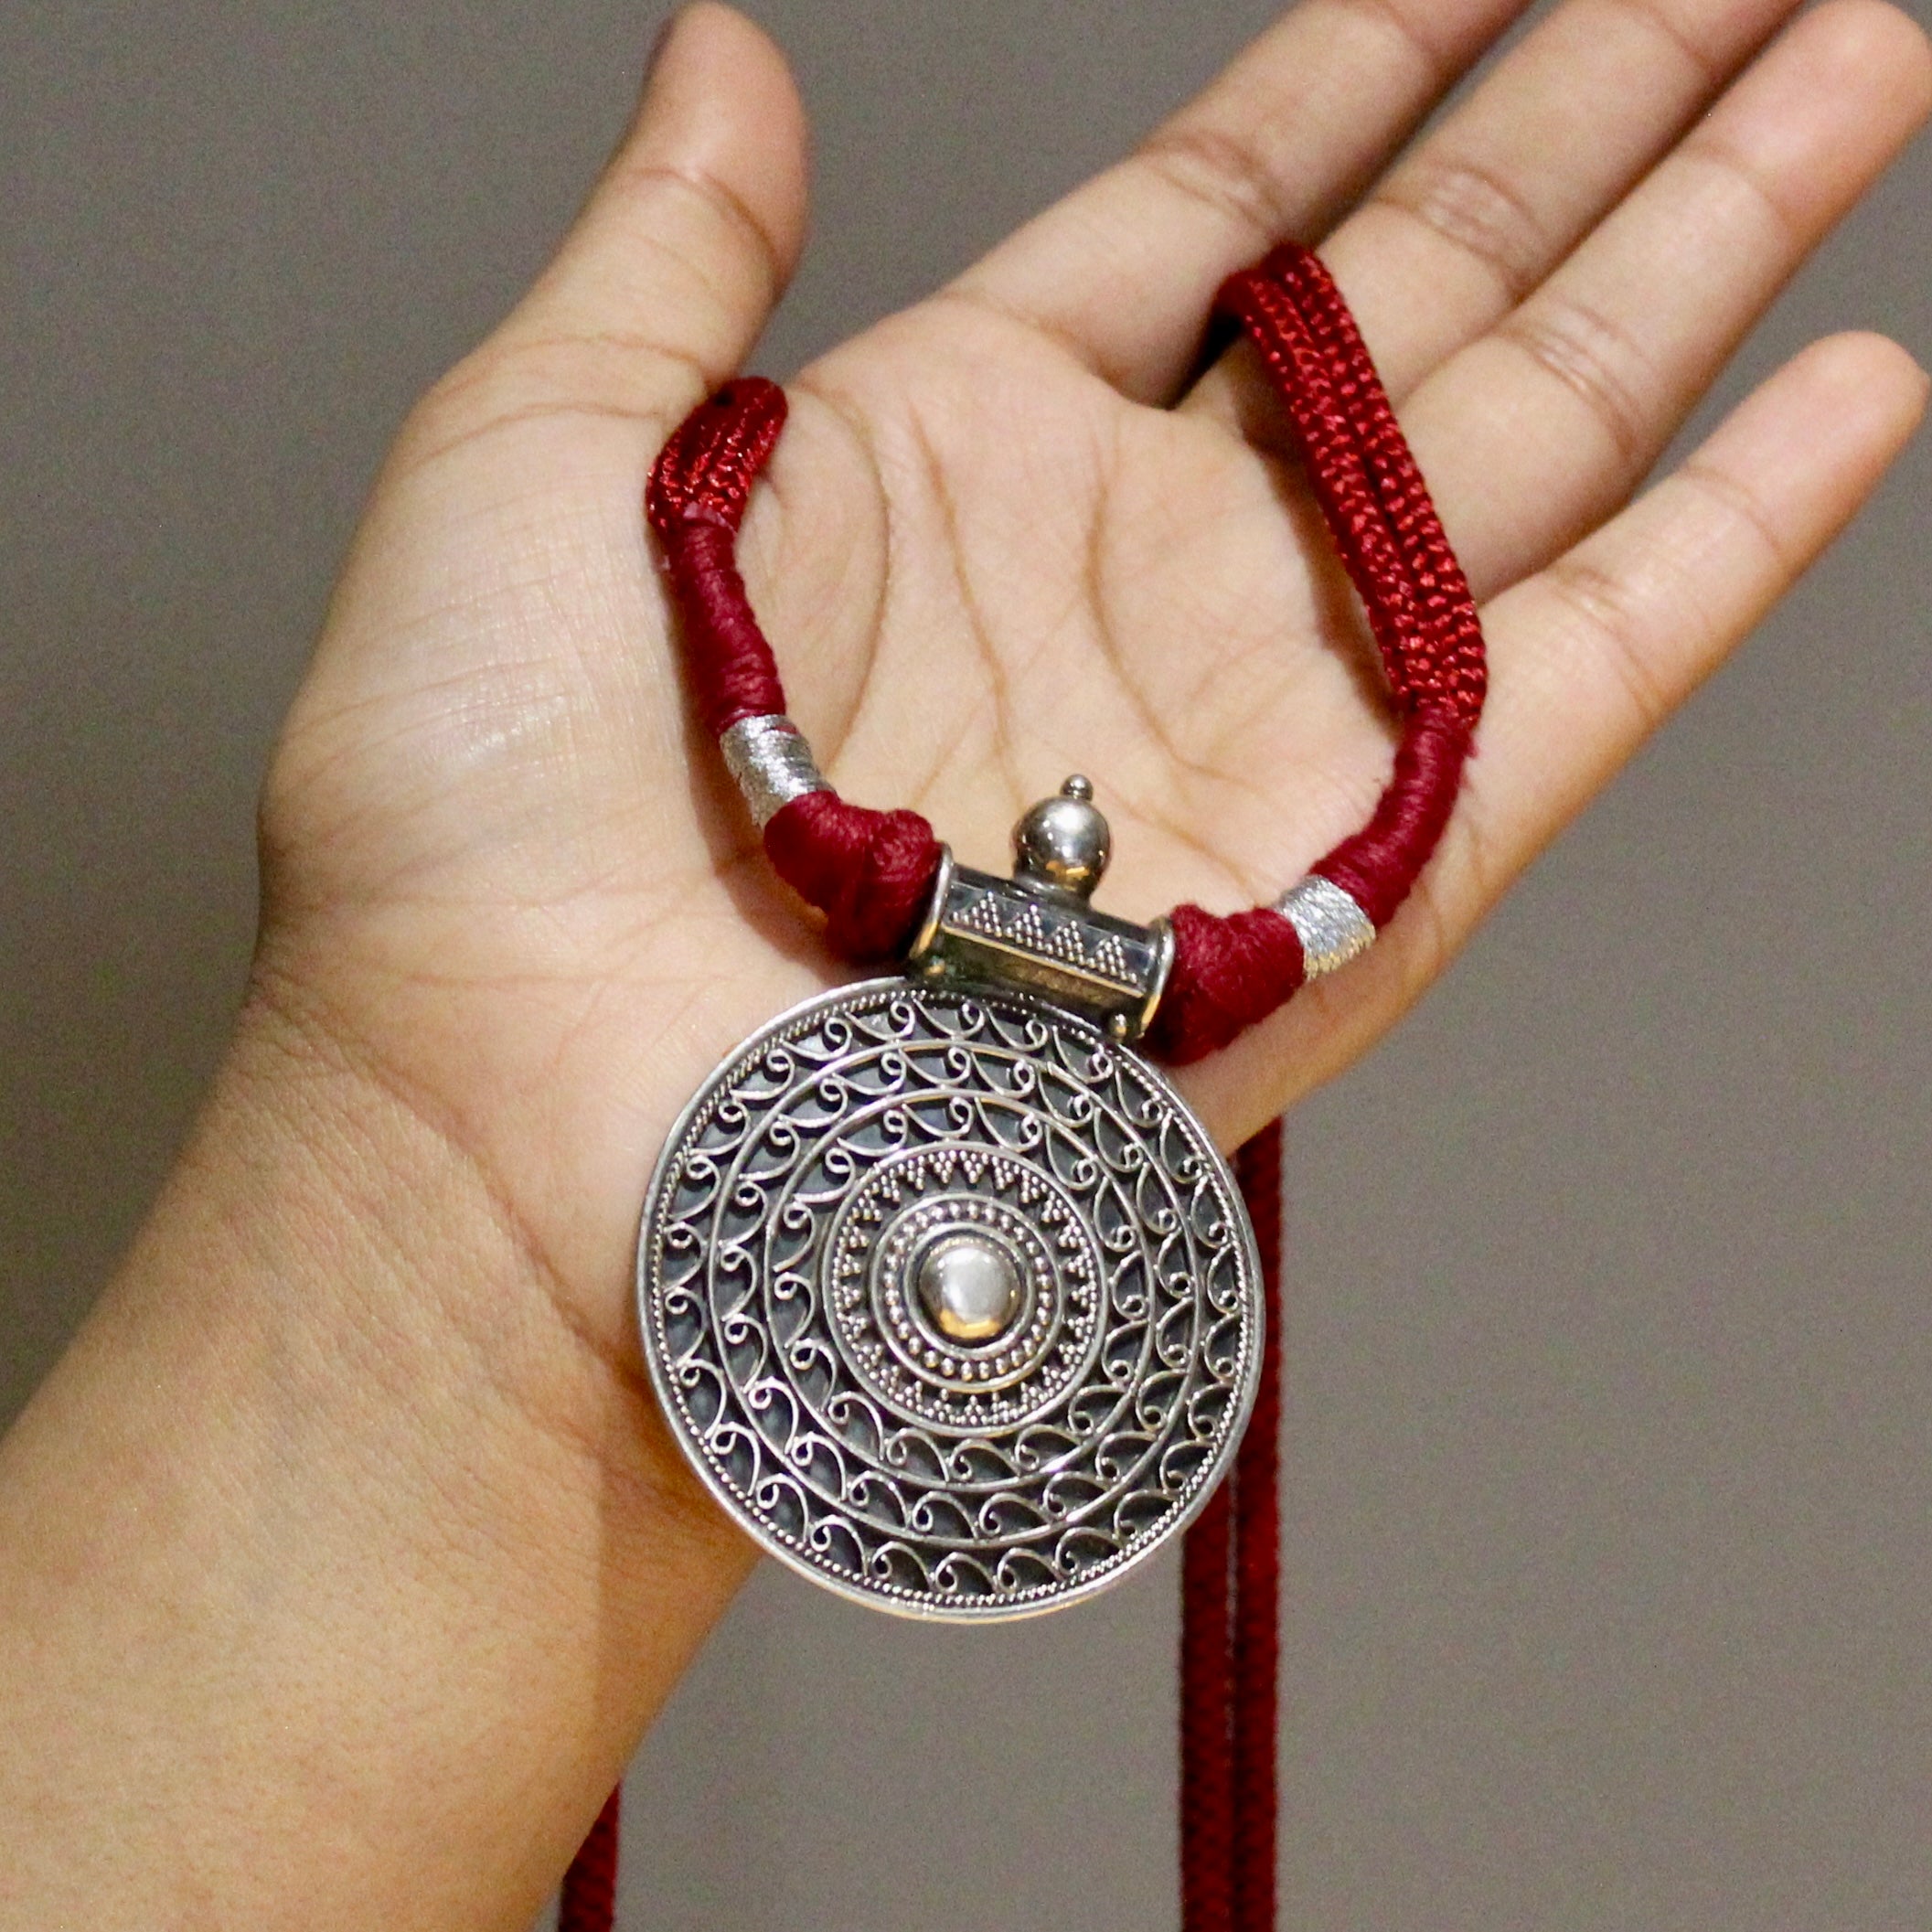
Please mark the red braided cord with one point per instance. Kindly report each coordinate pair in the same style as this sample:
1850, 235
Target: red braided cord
1206, 1692
1228, 1643
1256, 1582
1419, 604
589, 1900
1420, 611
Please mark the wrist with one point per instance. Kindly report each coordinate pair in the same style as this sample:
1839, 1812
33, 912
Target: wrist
335, 1487
443, 1332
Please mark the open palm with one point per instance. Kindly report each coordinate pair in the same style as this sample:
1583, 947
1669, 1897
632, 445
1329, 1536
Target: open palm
1015, 532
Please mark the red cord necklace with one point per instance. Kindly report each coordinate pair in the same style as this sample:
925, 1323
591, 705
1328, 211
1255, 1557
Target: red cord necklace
945, 1294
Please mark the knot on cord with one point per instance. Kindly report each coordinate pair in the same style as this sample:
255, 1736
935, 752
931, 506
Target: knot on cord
1228, 973
870, 874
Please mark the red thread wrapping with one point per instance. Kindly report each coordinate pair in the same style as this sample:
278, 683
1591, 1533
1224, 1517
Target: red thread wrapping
589, 1899
872, 873
1379, 865
733, 673
1228, 973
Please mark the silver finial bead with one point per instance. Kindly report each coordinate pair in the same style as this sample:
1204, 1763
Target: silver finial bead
1062, 844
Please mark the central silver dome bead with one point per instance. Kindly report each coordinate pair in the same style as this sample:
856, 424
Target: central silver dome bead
970, 1287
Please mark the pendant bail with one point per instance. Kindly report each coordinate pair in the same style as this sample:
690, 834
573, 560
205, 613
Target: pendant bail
1038, 931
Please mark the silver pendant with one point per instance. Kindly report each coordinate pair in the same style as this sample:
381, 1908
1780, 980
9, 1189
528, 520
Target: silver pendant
946, 1295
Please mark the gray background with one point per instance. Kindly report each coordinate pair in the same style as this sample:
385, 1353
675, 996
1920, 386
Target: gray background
1608, 1454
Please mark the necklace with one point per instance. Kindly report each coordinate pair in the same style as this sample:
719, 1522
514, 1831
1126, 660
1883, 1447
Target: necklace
946, 1295
949, 1297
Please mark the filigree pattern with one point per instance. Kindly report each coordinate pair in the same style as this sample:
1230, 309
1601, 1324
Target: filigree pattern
786, 1338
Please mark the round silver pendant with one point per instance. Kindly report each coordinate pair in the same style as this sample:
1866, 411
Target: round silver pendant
949, 1298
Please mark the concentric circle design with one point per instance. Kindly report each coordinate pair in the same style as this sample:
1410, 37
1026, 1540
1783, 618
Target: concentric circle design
911, 1207
949, 1298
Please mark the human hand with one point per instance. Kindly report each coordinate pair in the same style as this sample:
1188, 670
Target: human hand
1007, 537
514, 912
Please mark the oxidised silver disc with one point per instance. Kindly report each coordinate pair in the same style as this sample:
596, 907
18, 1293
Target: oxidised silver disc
949, 1298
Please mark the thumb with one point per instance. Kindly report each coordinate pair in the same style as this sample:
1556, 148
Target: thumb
687, 240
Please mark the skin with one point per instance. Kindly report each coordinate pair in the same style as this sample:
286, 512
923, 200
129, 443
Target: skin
347, 1557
